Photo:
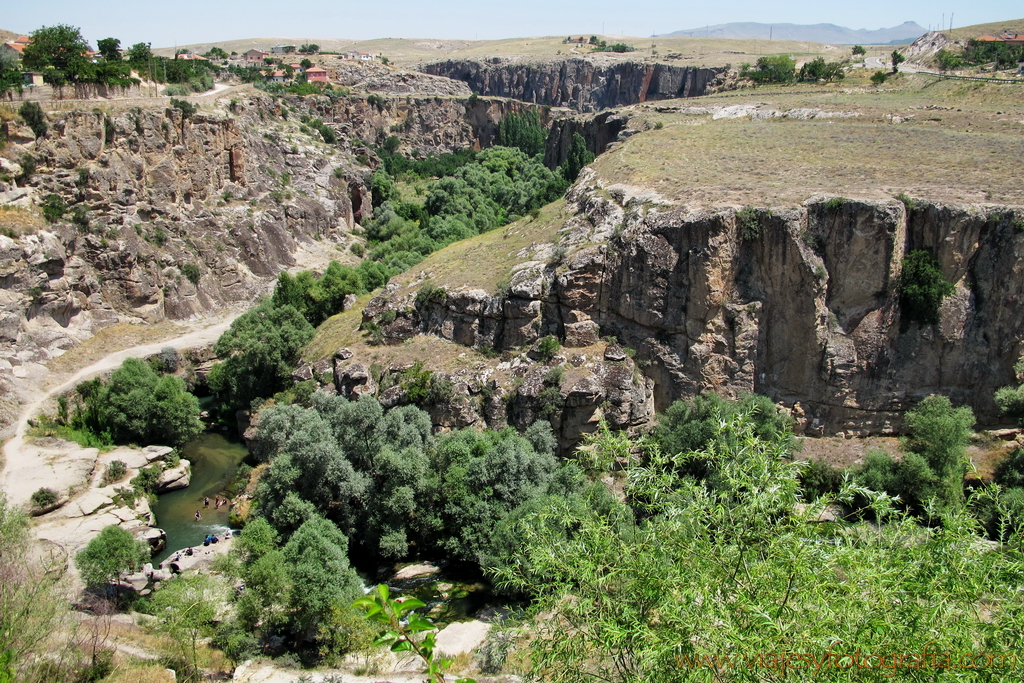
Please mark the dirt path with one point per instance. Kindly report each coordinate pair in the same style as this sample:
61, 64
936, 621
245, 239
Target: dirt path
21, 458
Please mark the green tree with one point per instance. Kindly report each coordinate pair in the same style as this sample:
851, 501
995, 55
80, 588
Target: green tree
524, 132
113, 552
306, 64
922, 287
59, 52
139, 405
948, 60
940, 434
578, 157
897, 58
185, 609
632, 603
32, 114
260, 349
318, 566
109, 49
859, 50
879, 77
771, 69
1011, 399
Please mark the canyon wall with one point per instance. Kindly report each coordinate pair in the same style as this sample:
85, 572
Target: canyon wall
800, 305
582, 84
168, 216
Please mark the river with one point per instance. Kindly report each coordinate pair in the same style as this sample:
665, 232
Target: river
214, 460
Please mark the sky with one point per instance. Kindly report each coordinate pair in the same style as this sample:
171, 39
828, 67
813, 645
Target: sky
183, 22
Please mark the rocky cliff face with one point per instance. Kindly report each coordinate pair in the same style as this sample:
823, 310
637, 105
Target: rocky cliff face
169, 216
583, 84
800, 304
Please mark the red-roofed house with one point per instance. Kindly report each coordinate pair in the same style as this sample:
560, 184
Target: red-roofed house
316, 74
17, 46
255, 56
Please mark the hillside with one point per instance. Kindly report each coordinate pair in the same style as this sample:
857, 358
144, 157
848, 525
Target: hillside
821, 33
991, 29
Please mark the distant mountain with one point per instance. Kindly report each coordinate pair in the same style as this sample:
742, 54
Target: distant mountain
906, 32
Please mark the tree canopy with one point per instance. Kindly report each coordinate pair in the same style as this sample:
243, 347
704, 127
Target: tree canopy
113, 552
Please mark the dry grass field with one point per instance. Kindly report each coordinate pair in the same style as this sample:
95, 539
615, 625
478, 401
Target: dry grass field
929, 138
407, 52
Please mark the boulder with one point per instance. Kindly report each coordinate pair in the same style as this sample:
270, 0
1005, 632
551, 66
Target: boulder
176, 478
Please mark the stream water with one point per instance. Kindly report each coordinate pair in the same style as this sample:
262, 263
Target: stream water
214, 461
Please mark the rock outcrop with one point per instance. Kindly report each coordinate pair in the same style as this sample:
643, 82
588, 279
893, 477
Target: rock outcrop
168, 216
585, 84
797, 303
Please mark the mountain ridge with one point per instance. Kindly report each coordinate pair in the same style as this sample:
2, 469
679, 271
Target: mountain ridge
907, 32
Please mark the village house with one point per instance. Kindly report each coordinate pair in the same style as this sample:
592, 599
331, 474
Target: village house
16, 47
255, 56
359, 56
1008, 38
316, 74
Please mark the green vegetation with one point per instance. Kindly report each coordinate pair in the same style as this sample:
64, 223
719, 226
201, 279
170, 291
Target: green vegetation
113, 552
191, 272
929, 477
54, 207
500, 185
401, 624
187, 108
771, 69
186, 608
259, 351
524, 132
984, 52
137, 405
879, 77
858, 50
1011, 399
44, 498
548, 347
896, 58
948, 60
115, 472
33, 116
578, 157
819, 70
922, 288
748, 223
631, 601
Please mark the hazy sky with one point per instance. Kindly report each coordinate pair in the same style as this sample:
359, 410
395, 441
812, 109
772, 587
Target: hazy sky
166, 24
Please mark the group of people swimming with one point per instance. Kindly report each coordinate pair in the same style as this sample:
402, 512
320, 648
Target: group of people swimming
218, 501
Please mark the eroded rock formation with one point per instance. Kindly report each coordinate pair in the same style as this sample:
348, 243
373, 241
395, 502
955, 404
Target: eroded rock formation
798, 303
584, 84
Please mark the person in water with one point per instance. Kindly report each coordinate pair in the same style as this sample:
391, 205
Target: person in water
206, 502
198, 516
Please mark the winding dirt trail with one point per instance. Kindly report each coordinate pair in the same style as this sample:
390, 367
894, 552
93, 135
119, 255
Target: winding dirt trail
21, 460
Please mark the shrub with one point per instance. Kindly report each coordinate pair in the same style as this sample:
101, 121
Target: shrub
548, 347
429, 294
835, 204
54, 208
115, 472
819, 478
34, 117
554, 376
922, 287
879, 77
748, 224
191, 271
186, 107
358, 249
28, 168
44, 498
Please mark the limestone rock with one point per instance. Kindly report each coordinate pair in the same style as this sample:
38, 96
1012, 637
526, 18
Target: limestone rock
176, 478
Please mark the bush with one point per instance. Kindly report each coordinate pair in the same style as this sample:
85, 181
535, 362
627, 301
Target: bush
115, 472
879, 77
44, 498
186, 107
114, 551
748, 224
54, 208
548, 347
191, 271
922, 288
34, 117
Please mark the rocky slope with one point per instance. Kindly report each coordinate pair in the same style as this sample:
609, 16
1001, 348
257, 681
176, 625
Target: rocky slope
798, 303
584, 84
